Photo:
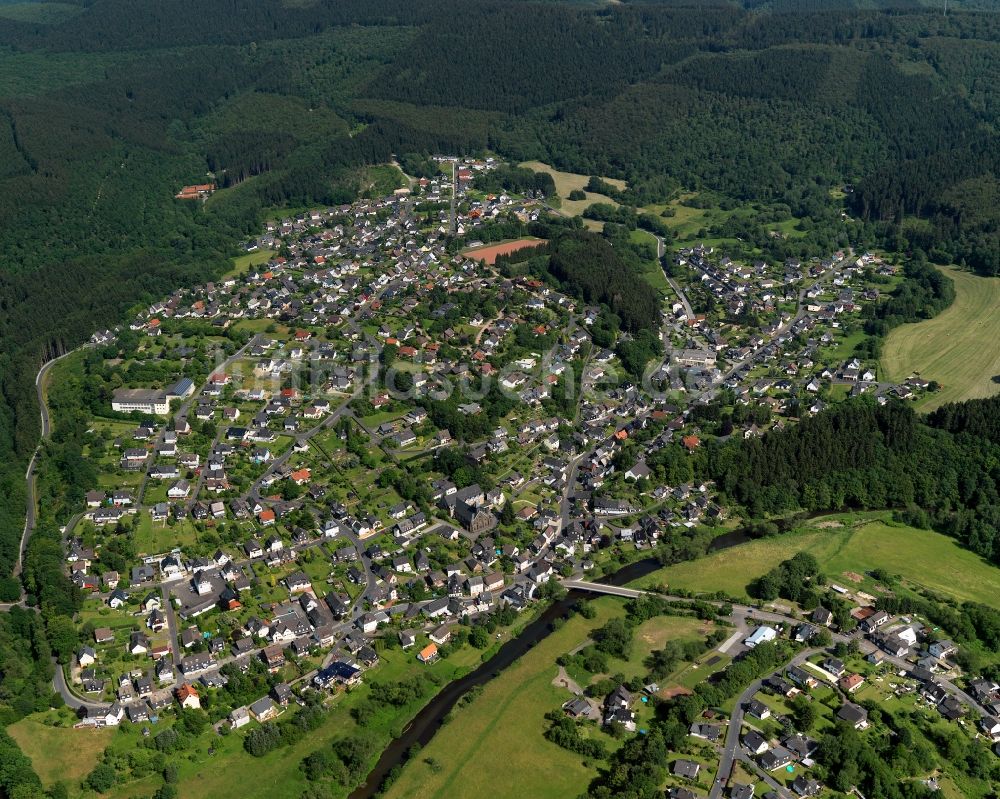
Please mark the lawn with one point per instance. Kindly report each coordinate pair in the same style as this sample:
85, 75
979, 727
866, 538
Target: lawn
843, 347
921, 557
567, 182
260, 326
59, 753
654, 634
151, 538
789, 228
954, 347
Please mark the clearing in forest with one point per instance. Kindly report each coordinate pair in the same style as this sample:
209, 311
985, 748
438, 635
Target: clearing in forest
957, 348
568, 181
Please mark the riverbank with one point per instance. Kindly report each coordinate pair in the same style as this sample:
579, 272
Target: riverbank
496, 743
429, 720
848, 546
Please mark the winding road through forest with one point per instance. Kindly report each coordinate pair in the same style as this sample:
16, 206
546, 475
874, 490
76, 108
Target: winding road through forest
31, 498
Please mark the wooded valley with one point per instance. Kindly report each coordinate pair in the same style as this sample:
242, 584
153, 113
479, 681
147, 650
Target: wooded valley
812, 108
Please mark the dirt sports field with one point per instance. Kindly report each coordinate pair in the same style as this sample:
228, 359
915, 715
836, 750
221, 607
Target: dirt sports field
490, 253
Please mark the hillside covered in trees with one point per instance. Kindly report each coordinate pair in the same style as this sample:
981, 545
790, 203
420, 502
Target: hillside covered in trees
108, 106
939, 471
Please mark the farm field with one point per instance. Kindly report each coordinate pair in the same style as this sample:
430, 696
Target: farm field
567, 182
491, 251
955, 348
920, 557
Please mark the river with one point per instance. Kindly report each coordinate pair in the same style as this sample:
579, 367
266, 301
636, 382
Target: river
427, 722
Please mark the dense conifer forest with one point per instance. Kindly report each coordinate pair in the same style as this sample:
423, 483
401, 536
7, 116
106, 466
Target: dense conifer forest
939, 471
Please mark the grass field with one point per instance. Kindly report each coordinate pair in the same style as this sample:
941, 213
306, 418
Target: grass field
59, 753
242, 263
921, 557
150, 538
688, 221
652, 271
496, 743
568, 181
956, 348
654, 634
260, 325
382, 179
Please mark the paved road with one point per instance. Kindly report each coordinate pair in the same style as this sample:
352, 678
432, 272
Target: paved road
31, 499
661, 251
800, 312
731, 750
168, 611
182, 414
453, 218
601, 588
343, 410
745, 617
71, 699
731, 747
30, 519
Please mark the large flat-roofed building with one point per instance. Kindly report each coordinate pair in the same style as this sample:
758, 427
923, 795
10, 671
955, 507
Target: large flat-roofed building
154, 401
694, 357
182, 389
144, 400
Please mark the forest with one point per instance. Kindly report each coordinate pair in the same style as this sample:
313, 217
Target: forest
781, 105
923, 293
108, 108
936, 471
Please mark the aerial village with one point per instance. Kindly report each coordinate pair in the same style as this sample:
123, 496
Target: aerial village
366, 435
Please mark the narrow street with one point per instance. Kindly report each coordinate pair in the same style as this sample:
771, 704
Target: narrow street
661, 251
170, 613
